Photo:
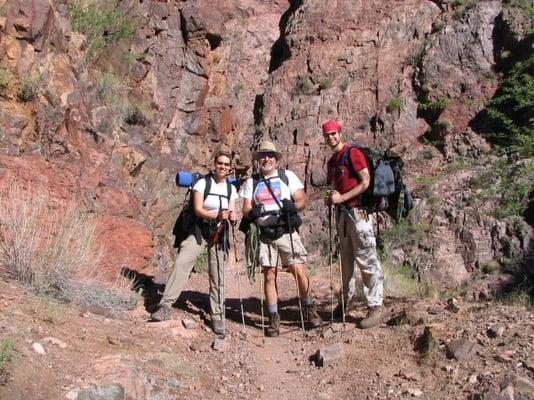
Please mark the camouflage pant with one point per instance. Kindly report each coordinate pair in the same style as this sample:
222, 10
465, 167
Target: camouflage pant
358, 246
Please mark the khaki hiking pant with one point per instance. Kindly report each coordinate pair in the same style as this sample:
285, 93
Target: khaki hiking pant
358, 246
190, 250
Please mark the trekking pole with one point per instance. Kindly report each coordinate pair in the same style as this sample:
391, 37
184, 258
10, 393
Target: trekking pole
295, 269
330, 262
224, 248
225, 259
261, 306
340, 274
238, 276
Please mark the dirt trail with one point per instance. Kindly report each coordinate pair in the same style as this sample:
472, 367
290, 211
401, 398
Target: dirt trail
166, 360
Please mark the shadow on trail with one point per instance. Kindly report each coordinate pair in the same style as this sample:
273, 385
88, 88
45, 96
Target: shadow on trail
195, 302
151, 290
198, 303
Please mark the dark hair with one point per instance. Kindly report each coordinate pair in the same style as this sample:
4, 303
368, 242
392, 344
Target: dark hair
221, 153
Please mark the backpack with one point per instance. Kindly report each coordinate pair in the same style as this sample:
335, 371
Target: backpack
387, 190
187, 219
296, 221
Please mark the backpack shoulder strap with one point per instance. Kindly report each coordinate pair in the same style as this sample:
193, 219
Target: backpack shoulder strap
228, 190
255, 180
208, 186
282, 175
207, 189
346, 159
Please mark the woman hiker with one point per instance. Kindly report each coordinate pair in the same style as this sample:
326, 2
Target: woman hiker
213, 204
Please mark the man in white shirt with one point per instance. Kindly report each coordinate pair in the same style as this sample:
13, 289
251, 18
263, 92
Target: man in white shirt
272, 201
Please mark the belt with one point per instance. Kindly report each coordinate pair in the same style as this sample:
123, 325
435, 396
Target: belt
343, 207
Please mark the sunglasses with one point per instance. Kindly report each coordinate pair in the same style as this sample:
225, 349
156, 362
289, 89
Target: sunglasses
330, 134
268, 154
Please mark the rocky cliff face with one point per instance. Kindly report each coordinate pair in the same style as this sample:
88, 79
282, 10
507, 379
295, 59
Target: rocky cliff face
111, 125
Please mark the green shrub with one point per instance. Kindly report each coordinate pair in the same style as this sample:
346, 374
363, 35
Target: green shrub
201, 263
438, 26
304, 85
522, 294
431, 110
408, 234
508, 184
109, 88
457, 15
102, 24
130, 58
509, 112
325, 83
401, 281
136, 114
6, 79
7, 346
52, 313
111, 91
445, 125
238, 88
460, 9
394, 104
438, 105
516, 185
420, 53
528, 6
344, 84
29, 88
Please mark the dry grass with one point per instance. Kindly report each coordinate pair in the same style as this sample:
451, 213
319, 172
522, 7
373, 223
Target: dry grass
49, 246
44, 243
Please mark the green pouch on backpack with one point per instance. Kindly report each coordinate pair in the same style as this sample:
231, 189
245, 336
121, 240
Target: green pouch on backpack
252, 247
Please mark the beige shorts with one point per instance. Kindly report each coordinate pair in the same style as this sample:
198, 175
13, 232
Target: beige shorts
271, 249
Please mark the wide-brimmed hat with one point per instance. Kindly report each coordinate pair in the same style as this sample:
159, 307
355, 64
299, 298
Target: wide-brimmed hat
266, 147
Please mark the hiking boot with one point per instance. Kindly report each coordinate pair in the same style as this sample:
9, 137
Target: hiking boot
163, 313
217, 325
311, 317
374, 317
273, 330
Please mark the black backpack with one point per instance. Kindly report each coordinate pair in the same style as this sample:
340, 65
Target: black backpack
187, 219
387, 190
256, 179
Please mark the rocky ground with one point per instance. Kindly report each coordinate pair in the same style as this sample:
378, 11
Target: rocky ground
430, 349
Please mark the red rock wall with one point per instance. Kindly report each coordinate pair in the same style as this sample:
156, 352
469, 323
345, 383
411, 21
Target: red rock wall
228, 76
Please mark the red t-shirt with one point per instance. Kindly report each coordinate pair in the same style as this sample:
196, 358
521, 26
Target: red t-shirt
339, 175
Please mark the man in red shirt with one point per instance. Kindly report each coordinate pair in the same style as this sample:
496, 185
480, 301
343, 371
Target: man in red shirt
354, 225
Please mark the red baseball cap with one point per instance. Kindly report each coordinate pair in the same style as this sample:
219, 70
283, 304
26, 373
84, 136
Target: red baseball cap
331, 126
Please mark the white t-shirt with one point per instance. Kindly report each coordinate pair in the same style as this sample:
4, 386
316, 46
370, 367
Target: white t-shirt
216, 199
262, 195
